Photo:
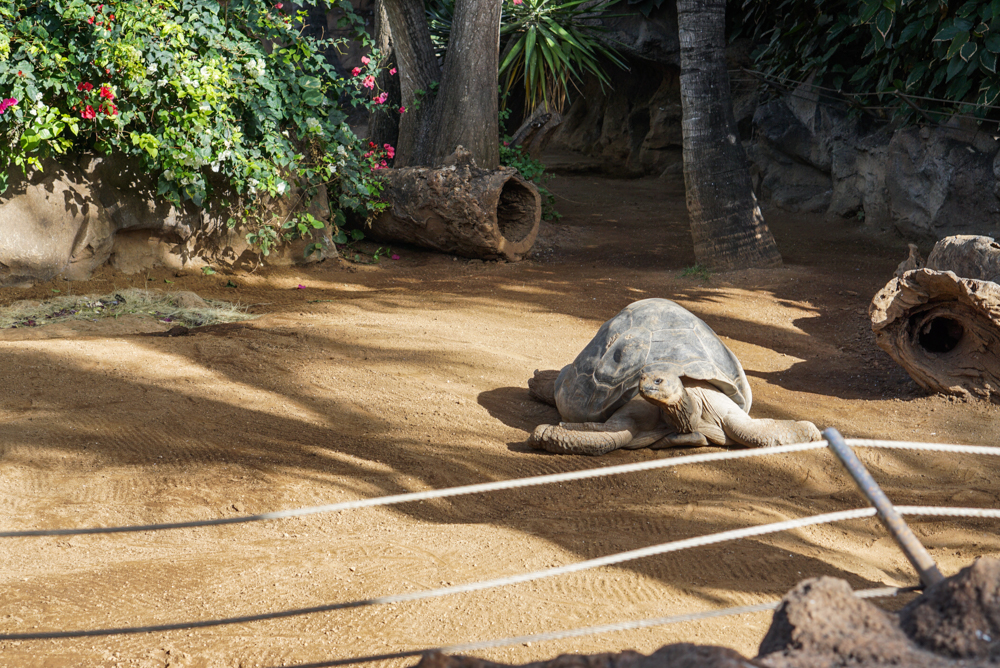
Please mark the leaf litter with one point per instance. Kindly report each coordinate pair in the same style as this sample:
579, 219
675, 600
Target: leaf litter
170, 307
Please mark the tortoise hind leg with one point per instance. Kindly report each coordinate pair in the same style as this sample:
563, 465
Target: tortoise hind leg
542, 387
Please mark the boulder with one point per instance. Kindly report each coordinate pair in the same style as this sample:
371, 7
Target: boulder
940, 184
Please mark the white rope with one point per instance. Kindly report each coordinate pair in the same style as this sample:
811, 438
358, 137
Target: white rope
608, 560
926, 447
508, 484
437, 493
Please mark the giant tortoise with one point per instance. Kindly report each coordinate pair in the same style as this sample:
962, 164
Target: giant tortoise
655, 375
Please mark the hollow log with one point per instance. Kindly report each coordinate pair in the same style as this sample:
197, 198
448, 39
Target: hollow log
461, 209
943, 329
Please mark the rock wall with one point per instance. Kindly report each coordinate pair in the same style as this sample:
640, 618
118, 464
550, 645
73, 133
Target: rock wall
926, 182
807, 153
76, 215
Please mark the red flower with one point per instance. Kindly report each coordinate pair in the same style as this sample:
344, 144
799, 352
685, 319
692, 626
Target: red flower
356, 71
85, 86
90, 20
278, 6
106, 93
88, 113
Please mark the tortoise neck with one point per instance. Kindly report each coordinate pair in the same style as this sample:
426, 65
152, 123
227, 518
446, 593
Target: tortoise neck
680, 414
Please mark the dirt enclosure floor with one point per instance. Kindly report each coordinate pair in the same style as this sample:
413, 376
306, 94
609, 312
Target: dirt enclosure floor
411, 375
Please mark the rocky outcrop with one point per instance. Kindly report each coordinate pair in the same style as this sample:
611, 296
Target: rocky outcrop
809, 154
74, 216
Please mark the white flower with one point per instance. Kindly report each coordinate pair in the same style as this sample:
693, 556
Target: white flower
152, 69
281, 187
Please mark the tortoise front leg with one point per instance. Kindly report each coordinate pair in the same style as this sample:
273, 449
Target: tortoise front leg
761, 432
635, 420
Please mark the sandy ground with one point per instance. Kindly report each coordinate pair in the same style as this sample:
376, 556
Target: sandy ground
411, 375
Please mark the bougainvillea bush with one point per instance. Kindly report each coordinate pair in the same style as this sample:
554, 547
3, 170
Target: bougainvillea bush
198, 91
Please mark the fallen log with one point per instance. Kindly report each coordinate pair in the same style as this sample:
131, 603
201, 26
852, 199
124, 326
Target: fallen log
461, 209
943, 328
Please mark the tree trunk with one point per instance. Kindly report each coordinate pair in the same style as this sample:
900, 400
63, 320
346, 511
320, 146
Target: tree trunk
465, 112
418, 72
727, 226
440, 198
383, 123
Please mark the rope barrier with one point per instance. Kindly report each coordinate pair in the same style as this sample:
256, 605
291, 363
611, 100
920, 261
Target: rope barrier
609, 560
507, 484
881, 592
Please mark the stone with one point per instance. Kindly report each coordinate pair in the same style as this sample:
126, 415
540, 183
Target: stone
960, 616
968, 256
940, 186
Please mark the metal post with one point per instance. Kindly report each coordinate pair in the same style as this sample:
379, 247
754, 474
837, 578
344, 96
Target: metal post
912, 548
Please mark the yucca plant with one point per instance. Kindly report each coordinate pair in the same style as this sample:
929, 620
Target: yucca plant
550, 46
547, 45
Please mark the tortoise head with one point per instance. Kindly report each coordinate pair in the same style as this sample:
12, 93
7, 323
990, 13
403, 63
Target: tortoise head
660, 384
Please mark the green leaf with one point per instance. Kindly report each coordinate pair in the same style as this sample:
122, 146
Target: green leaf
955, 65
968, 51
992, 43
869, 9
988, 61
310, 83
908, 33
960, 40
313, 98
883, 22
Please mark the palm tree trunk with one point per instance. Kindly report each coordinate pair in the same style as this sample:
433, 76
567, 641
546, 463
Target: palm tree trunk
727, 226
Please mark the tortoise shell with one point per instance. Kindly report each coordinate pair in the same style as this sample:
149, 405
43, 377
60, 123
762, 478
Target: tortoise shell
605, 375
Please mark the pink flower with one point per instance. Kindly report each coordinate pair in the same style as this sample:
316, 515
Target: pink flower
392, 71
389, 151
518, 2
6, 104
381, 98
88, 113
365, 60
356, 71
402, 110
394, 257
278, 6
368, 82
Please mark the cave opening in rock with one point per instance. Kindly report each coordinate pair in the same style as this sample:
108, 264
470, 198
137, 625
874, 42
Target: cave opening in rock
516, 211
940, 335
